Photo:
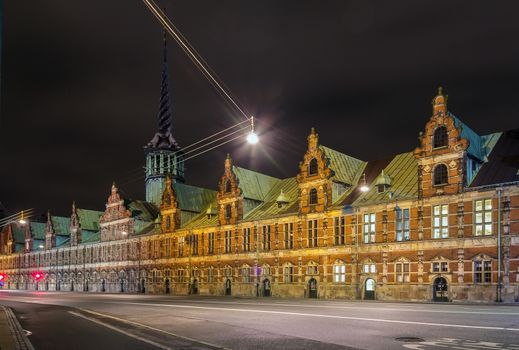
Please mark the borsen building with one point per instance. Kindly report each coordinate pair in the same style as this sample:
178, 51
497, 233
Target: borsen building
438, 223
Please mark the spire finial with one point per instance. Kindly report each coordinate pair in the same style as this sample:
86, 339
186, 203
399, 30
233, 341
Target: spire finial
440, 90
48, 215
164, 104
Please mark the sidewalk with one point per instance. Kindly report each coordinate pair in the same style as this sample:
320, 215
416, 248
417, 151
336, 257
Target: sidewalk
12, 336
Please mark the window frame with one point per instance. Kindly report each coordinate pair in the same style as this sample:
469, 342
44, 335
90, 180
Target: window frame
443, 229
445, 137
435, 175
484, 224
313, 197
339, 230
312, 233
403, 225
339, 273
369, 227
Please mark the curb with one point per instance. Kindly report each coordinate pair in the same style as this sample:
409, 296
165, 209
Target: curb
18, 337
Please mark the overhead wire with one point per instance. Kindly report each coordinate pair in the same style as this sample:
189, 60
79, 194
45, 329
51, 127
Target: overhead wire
195, 57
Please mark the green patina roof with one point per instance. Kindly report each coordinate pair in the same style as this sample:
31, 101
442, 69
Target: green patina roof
142, 210
38, 230
254, 185
192, 198
89, 219
89, 236
270, 207
18, 233
201, 220
347, 169
476, 148
489, 141
61, 225
403, 171
143, 227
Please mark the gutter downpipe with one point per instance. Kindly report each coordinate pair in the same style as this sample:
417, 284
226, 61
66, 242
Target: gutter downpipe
498, 296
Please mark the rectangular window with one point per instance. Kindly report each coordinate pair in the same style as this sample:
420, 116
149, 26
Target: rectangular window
180, 246
483, 271
402, 225
338, 230
402, 272
168, 247
246, 240
369, 228
312, 270
194, 244
265, 237
370, 268
288, 274
441, 266
210, 274
441, 221
483, 217
339, 273
312, 233
210, 243
227, 241
181, 276
245, 273
289, 236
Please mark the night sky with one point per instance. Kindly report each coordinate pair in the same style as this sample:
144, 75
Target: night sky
81, 79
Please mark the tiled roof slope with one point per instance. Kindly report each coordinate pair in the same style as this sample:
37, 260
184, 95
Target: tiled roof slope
254, 185
347, 169
193, 198
403, 171
503, 162
269, 208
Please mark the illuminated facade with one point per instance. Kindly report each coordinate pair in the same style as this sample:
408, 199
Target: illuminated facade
437, 223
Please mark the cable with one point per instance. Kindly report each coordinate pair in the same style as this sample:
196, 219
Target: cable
195, 57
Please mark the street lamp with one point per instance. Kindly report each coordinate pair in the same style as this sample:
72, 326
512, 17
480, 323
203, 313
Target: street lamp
252, 137
364, 187
22, 221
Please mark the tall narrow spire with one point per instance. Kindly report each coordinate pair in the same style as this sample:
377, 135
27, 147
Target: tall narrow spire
164, 105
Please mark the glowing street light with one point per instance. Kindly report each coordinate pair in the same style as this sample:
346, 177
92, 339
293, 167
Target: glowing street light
22, 221
252, 137
364, 187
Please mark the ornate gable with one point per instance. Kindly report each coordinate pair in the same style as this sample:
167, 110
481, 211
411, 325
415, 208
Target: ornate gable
50, 234
169, 208
116, 222
441, 154
75, 227
315, 188
230, 199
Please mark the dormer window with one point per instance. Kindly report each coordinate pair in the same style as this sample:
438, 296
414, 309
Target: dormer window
440, 176
312, 167
313, 196
440, 138
228, 186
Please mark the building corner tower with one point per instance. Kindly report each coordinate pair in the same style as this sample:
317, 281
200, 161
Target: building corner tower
163, 154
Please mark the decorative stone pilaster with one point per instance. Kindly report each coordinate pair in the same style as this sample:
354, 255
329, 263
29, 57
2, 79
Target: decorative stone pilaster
325, 232
420, 221
420, 266
460, 218
384, 267
461, 265
384, 226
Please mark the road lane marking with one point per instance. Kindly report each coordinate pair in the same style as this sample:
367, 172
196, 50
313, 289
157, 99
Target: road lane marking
324, 316
349, 307
128, 334
133, 323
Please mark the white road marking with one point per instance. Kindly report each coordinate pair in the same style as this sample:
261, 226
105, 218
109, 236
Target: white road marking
151, 342
323, 316
153, 328
363, 308
461, 344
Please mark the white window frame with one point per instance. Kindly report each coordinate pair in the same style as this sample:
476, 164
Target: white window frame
440, 221
369, 227
339, 273
483, 217
403, 225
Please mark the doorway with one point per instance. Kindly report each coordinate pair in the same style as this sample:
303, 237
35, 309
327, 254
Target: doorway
228, 287
194, 287
312, 288
440, 289
369, 289
166, 284
266, 287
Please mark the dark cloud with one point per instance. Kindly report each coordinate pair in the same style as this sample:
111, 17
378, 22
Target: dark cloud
80, 84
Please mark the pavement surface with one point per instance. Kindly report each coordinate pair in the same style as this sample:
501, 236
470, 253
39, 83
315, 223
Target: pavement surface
61, 320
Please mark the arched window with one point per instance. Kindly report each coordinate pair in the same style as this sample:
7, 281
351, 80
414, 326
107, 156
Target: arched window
313, 196
312, 167
228, 186
168, 222
440, 138
440, 175
228, 211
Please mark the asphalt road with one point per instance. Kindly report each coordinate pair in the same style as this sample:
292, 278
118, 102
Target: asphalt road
122, 321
